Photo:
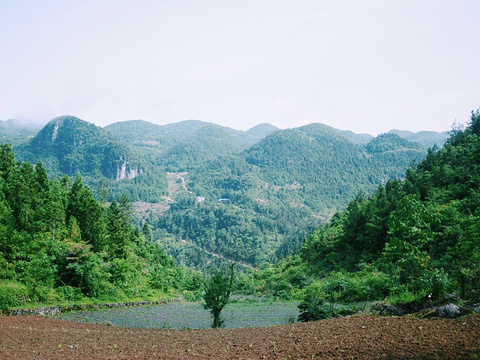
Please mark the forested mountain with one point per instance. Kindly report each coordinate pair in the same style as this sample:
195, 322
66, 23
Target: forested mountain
74, 145
275, 191
261, 130
416, 240
428, 139
68, 145
359, 139
184, 145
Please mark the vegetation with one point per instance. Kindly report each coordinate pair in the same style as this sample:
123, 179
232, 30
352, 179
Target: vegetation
413, 241
185, 145
68, 145
58, 244
218, 289
280, 185
278, 191
16, 132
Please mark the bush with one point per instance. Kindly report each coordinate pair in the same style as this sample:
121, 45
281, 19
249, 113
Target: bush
375, 286
12, 294
313, 310
43, 294
69, 293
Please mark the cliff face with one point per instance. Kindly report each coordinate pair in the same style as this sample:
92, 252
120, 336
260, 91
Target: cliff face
127, 171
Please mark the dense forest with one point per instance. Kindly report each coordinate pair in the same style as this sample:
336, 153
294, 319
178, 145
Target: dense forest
414, 239
278, 190
277, 185
57, 243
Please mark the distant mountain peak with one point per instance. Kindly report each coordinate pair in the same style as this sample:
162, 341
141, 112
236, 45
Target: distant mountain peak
263, 129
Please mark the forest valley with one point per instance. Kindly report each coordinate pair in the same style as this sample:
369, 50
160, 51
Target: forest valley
414, 240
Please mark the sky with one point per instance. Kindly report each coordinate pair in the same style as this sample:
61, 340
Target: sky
362, 65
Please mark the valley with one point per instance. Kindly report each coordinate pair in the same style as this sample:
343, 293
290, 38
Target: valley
277, 182
343, 229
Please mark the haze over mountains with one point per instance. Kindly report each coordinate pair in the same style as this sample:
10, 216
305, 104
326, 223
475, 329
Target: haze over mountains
276, 184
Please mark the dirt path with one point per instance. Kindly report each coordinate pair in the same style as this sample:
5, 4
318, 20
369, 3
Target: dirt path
174, 187
27, 337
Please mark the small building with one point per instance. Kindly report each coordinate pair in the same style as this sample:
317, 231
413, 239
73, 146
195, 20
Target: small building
224, 200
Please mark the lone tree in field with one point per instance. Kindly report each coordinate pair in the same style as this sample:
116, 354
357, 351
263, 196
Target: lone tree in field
217, 293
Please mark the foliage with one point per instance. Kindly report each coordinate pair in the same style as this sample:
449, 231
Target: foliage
12, 294
411, 239
281, 185
278, 191
218, 289
57, 243
68, 145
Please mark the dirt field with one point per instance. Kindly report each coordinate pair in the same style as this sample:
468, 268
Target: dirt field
31, 337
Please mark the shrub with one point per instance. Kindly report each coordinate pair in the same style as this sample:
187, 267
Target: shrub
69, 293
313, 310
12, 294
375, 285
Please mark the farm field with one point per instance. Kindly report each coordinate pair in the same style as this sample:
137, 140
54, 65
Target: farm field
190, 315
357, 337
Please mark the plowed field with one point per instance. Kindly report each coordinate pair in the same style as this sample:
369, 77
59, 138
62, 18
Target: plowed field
358, 337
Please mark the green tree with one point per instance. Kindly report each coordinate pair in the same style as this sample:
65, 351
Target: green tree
89, 214
218, 289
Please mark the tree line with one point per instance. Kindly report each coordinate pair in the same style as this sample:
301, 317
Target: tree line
58, 243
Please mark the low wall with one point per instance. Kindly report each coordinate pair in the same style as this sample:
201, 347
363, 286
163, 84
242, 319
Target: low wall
55, 310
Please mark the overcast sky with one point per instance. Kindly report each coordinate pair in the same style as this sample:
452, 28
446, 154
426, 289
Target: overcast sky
365, 66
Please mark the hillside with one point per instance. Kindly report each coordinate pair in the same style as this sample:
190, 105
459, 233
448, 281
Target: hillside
413, 242
71, 145
279, 189
428, 139
59, 244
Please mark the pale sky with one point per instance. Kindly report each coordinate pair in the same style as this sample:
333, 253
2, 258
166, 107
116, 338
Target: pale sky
366, 66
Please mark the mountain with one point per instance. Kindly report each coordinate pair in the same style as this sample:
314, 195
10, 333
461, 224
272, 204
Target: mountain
359, 139
256, 205
186, 144
74, 145
68, 145
17, 132
428, 139
141, 133
262, 130
250, 196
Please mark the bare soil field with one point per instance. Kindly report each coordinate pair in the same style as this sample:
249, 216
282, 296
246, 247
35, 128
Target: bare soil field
357, 337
